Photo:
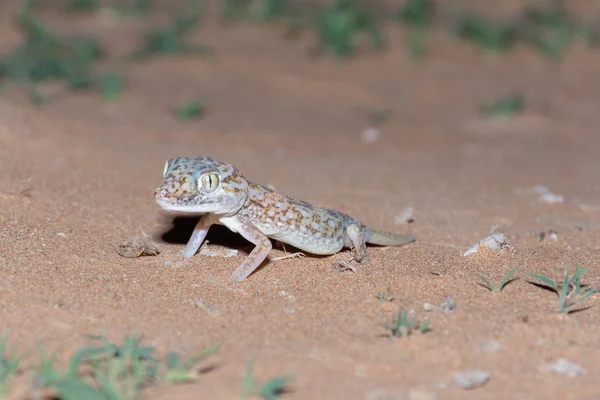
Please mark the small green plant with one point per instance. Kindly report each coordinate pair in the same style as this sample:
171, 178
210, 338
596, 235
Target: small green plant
339, 23
138, 6
504, 108
570, 291
129, 8
403, 325
172, 38
118, 372
551, 30
9, 367
418, 15
548, 29
190, 110
82, 5
180, 370
270, 390
260, 10
379, 117
494, 37
268, 10
498, 288
44, 56
384, 296
110, 85
109, 371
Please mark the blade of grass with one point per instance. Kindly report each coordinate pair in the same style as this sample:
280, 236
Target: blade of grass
505, 107
272, 389
110, 85
546, 281
506, 278
587, 294
487, 283
190, 110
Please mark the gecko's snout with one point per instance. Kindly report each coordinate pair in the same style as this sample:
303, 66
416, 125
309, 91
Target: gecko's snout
160, 193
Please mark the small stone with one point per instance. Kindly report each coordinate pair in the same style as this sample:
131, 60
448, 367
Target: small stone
370, 135
287, 295
551, 234
418, 394
380, 394
447, 304
471, 379
136, 247
562, 366
405, 217
551, 198
208, 308
587, 207
496, 242
546, 196
492, 346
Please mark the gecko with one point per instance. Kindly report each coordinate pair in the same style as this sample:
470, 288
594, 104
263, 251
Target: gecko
220, 194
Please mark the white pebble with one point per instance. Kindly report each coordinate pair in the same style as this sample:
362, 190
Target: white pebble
491, 346
471, 379
563, 366
370, 135
380, 394
546, 196
496, 242
405, 217
418, 394
447, 304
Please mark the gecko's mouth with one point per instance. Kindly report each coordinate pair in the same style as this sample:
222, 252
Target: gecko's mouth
166, 202
177, 204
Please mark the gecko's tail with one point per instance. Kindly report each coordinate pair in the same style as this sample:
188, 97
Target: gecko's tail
383, 238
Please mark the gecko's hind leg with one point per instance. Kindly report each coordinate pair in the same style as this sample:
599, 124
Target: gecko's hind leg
359, 248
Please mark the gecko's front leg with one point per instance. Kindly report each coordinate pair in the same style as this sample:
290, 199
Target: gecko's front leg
198, 236
359, 248
258, 254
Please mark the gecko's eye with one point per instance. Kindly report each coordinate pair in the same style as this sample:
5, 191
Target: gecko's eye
165, 169
209, 182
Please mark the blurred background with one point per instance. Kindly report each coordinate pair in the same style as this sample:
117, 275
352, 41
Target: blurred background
208, 60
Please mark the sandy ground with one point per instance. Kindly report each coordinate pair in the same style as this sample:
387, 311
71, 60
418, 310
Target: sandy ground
77, 179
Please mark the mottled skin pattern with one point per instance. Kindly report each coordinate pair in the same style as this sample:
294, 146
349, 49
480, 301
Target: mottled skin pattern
222, 195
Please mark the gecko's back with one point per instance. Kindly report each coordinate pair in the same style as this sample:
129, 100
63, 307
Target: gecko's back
314, 229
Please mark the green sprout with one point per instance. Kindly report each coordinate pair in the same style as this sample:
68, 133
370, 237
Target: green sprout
498, 288
570, 291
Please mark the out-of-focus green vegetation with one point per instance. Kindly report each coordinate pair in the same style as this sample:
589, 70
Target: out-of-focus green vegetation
340, 28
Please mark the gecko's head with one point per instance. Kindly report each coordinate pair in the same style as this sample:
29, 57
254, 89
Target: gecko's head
201, 185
